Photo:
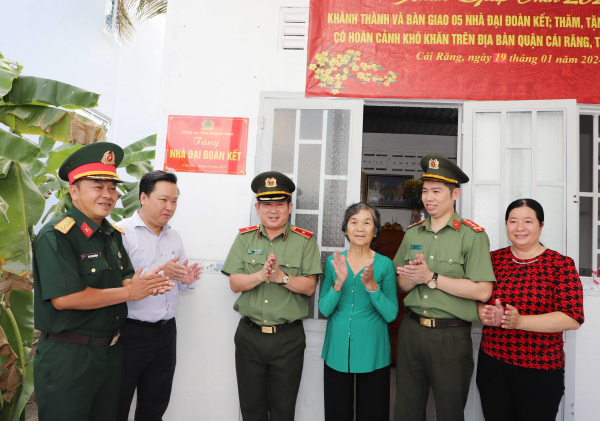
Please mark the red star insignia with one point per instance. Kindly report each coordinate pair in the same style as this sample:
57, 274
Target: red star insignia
87, 231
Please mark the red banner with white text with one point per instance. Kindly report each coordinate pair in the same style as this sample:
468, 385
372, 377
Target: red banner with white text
455, 49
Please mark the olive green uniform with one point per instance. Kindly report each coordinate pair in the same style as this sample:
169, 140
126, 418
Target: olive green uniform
439, 357
269, 366
77, 382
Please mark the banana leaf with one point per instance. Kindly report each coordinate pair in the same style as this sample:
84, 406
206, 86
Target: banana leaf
26, 206
21, 306
37, 91
4, 209
131, 202
17, 148
25, 392
9, 70
134, 152
54, 123
138, 169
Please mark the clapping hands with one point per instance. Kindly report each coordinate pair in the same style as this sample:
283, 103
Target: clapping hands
496, 315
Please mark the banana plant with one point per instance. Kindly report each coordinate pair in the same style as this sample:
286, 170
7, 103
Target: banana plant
28, 176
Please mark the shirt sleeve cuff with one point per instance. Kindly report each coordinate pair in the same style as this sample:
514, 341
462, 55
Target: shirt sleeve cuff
377, 291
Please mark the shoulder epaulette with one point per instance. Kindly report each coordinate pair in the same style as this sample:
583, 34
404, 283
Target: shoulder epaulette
415, 224
302, 232
473, 225
248, 229
65, 225
118, 228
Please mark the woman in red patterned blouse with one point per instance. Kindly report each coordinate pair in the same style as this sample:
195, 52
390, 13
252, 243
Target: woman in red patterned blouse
537, 296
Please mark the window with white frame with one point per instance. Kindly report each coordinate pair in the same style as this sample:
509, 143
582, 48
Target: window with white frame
589, 195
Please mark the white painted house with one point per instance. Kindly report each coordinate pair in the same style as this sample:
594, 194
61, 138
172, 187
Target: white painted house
225, 58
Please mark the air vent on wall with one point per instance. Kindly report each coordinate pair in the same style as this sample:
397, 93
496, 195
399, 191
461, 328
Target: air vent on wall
293, 28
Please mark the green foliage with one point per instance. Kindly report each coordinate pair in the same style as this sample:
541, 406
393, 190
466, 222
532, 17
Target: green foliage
29, 176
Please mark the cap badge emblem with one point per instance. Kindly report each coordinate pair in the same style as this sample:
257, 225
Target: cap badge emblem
434, 164
271, 182
108, 158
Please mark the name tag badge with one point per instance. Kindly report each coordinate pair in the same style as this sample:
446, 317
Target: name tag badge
90, 256
416, 247
255, 251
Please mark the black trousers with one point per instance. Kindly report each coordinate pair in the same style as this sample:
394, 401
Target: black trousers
269, 369
372, 395
149, 356
512, 393
438, 358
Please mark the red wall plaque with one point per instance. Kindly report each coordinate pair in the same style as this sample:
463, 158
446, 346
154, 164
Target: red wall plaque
206, 144
455, 49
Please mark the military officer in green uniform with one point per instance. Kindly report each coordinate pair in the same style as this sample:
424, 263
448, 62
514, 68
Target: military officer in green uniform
275, 266
444, 264
82, 279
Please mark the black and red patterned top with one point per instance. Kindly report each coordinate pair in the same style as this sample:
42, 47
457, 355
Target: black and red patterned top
540, 285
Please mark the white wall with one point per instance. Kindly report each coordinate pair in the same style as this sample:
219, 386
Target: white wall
219, 57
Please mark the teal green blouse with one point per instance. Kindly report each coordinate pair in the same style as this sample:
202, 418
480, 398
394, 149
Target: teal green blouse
357, 338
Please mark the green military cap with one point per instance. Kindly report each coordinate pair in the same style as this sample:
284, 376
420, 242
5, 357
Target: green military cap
439, 168
272, 186
96, 161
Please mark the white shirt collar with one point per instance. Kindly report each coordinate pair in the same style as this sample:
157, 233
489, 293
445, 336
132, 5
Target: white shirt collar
139, 222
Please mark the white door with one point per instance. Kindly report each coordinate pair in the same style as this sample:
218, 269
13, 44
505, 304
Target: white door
318, 144
518, 149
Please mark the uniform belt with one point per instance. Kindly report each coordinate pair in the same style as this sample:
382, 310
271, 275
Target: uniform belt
85, 340
271, 329
436, 323
160, 323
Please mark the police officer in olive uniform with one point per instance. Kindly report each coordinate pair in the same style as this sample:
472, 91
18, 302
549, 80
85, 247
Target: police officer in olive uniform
82, 279
275, 266
444, 263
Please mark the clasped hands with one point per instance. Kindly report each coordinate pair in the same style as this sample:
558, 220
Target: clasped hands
495, 315
182, 272
416, 271
152, 283
341, 272
271, 271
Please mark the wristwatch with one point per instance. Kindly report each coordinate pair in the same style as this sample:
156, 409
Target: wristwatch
433, 283
286, 278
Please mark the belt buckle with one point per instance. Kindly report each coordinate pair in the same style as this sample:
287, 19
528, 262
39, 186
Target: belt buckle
427, 322
266, 329
115, 338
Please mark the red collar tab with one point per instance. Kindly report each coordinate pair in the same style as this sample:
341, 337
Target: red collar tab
302, 232
473, 225
456, 224
248, 229
87, 231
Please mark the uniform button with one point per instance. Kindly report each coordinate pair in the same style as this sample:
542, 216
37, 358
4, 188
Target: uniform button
93, 270
425, 311
117, 317
121, 267
435, 236
431, 257
424, 296
267, 281
253, 261
287, 265
271, 243
110, 268
99, 230
265, 321
449, 260
266, 301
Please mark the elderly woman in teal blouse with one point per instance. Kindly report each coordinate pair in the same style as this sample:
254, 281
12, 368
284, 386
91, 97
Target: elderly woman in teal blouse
359, 298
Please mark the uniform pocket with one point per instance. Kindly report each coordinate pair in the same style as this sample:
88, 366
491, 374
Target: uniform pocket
291, 266
254, 261
452, 265
92, 272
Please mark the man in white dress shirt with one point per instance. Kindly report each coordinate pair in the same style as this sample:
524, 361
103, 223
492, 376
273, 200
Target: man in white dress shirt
149, 335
